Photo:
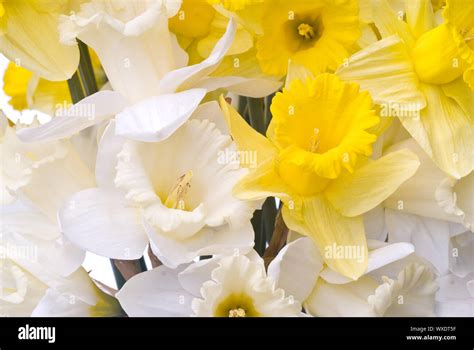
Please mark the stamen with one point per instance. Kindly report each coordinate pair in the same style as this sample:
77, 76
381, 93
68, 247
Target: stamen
314, 141
306, 30
175, 199
239, 312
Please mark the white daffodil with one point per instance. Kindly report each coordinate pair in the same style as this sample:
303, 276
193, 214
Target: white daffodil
432, 193
395, 284
44, 172
233, 286
176, 194
144, 65
40, 270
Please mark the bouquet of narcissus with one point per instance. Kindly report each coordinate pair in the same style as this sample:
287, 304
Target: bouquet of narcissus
237, 158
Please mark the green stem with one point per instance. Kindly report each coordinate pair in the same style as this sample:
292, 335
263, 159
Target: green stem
75, 88
86, 71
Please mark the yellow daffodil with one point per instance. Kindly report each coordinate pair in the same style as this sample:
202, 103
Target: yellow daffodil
422, 73
198, 27
317, 34
29, 36
316, 160
28, 91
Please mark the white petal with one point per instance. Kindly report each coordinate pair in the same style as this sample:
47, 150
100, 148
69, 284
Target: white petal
429, 236
412, 294
427, 191
454, 298
374, 222
333, 300
461, 257
155, 119
132, 41
109, 147
102, 222
296, 268
252, 87
187, 77
155, 293
193, 277
212, 112
89, 111
55, 304
380, 255
209, 241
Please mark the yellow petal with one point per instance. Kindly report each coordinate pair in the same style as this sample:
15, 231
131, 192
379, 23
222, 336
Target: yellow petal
385, 70
437, 58
32, 40
243, 40
333, 234
261, 183
357, 193
389, 23
445, 131
193, 19
462, 94
15, 85
247, 139
420, 16
469, 77
50, 95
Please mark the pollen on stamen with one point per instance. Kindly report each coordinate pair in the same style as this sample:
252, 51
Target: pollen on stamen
175, 199
239, 312
306, 30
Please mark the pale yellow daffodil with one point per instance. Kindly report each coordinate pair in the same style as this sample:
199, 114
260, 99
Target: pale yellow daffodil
29, 36
421, 73
316, 160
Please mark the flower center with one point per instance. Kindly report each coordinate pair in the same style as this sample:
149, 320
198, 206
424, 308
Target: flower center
176, 197
239, 312
236, 305
306, 30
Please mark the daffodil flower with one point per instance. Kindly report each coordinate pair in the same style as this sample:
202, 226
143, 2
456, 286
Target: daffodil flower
316, 34
396, 283
29, 36
316, 159
147, 68
29, 170
40, 270
432, 193
233, 286
434, 212
420, 72
180, 201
